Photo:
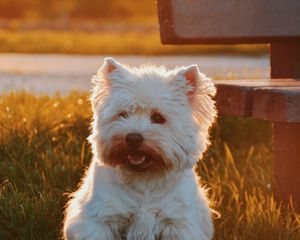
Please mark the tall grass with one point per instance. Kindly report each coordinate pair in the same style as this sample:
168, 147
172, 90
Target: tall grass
43, 153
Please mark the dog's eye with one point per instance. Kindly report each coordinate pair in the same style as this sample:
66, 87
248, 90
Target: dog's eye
123, 114
157, 118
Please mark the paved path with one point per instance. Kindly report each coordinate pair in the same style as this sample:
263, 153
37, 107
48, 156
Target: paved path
49, 73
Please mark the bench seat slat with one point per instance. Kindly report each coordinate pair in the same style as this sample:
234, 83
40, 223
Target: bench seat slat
275, 100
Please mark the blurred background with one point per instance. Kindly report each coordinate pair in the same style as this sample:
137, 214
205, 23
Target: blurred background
89, 30
85, 26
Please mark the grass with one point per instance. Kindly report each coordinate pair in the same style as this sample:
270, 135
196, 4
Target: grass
123, 42
43, 153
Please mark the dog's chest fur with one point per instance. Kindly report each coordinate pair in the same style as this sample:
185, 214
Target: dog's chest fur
124, 206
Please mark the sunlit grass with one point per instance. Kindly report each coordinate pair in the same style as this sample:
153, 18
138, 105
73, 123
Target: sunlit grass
108, 42
43, 153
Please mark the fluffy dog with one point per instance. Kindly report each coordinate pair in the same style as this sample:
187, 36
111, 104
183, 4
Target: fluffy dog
150, 126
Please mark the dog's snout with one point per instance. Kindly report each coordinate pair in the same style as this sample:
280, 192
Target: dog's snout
134, 140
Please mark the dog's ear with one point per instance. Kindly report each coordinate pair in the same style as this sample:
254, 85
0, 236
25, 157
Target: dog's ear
193, 82
110, 71
200, 91
191, 76
109, 67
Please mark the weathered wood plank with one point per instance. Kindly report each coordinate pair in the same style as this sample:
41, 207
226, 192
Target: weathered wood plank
233, 100
274, 100
228, 21
281, 104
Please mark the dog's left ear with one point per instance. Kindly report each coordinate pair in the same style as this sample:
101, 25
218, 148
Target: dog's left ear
199, 90
193, 82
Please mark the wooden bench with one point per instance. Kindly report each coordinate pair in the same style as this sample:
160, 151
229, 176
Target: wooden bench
276, 22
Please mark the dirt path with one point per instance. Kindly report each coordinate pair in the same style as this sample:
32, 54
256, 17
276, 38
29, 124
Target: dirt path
49, 73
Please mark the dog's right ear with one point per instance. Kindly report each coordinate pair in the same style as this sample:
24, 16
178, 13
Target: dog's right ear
110, 65
110, 71
109, 68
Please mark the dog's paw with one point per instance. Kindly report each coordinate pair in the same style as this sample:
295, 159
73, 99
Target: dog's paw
86, 230
175, 229
142, 227
170, 232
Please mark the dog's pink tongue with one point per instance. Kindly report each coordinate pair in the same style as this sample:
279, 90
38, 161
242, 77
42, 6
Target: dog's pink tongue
136, 159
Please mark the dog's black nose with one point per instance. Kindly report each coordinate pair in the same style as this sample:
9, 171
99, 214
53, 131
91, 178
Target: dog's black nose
134, 140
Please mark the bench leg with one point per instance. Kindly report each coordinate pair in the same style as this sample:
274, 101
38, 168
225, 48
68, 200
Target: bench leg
287, 160
285, 60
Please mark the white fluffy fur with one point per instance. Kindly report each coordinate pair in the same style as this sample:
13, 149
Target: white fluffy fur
114, 202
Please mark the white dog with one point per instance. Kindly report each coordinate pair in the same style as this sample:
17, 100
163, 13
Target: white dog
150, 127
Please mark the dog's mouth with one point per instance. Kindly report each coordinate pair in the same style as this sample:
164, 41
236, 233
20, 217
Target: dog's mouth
144, 158
138, 160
